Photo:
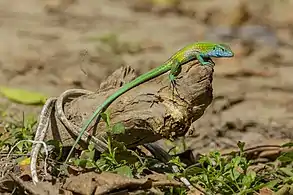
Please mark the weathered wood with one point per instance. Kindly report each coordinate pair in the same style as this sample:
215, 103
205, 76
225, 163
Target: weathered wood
149, 112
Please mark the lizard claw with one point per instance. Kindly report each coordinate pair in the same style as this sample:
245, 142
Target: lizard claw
173, 85
205, 63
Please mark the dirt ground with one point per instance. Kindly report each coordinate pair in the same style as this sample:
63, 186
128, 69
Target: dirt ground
49, 45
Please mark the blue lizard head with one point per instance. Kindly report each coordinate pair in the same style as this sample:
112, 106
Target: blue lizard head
219, 50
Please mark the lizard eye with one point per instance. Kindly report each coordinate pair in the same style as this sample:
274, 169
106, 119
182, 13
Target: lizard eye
222, 49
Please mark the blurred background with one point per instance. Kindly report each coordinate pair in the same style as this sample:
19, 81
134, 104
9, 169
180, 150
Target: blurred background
53, 45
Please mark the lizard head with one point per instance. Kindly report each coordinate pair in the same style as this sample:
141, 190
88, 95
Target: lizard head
218, 51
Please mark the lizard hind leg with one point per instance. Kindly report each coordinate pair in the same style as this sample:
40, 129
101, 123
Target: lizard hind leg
174, 72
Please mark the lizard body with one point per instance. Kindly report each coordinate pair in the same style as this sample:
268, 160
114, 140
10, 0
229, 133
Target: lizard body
199, 50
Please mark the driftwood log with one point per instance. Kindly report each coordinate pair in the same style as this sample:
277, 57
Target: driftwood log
149, 112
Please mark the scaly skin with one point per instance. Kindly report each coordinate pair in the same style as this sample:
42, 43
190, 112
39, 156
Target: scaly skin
198, 50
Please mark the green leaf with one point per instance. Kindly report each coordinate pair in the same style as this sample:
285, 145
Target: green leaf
20, 159
125, 171
25, 161
286, 157
80, 162
91, 147
106, 117
20, 146
101, 163
193, 170
249, 179
287, 171
22, 96
90, 164
87, 154
270, 184
118, 128
290, 144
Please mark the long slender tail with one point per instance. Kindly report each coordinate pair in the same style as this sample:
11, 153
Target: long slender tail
95, 114
141, 79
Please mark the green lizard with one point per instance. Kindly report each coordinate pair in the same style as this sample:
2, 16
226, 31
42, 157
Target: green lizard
199, 50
